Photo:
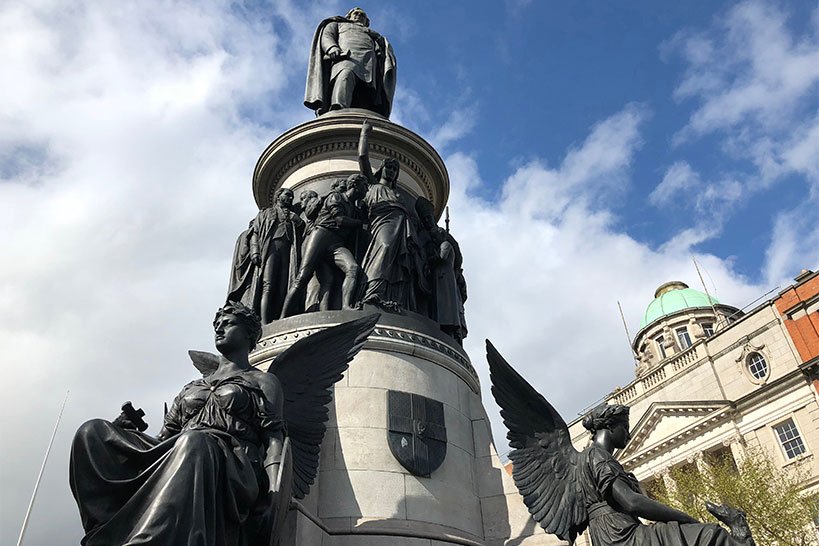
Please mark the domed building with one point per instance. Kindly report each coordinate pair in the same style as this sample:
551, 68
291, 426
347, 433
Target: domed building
712, 380
676, 318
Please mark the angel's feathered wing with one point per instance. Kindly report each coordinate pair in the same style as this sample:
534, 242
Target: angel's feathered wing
545, 466
307, 371
205, 362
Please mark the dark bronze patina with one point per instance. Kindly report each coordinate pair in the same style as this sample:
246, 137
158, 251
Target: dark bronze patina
567, 491
351, 66
365, 242
235, 445
417, 432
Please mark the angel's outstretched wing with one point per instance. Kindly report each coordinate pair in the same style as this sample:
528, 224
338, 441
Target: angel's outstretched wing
205, 362
307, 371
545, 465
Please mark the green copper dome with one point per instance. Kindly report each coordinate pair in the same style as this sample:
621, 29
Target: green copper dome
672, 297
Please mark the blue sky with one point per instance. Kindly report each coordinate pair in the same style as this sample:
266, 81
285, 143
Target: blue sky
535, 76
592, 147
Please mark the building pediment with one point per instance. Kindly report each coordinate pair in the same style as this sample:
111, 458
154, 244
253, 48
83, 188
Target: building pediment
666, 424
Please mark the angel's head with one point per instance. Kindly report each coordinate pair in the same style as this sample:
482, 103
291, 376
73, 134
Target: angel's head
611, 418
236, 326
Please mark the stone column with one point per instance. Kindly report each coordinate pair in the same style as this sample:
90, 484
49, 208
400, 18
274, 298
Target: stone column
363, 495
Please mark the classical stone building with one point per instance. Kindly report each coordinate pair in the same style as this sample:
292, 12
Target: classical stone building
711, 379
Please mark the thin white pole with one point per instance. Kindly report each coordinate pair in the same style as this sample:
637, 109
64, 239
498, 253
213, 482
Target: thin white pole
40, 475
717, 317
625, 327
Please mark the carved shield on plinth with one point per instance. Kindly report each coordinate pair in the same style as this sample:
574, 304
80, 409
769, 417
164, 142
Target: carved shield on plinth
416, 432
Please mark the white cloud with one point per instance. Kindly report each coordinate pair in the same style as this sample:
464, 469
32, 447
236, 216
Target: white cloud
680, 178
547, 265
593, 173
124, 178
750, 69
459, 123
754, 82
794, 243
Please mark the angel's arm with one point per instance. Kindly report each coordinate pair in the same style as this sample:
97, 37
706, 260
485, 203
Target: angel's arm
364, 153
173, 420
274, 440
641, 506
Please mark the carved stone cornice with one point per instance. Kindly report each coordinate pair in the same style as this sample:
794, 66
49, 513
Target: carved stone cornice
410, 335
710, 415
335, 136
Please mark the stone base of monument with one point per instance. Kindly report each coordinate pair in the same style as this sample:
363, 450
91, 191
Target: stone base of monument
363, 494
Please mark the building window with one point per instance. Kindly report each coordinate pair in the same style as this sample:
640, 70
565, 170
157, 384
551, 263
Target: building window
757, 365
683, 337
660, 347
708, 328
790, 439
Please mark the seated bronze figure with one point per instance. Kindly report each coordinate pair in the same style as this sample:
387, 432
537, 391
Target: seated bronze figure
235, 445
567, 491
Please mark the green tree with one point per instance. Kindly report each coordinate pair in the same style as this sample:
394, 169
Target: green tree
778, 512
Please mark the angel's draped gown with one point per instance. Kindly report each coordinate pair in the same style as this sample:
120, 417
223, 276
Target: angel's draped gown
608, 526
199, 487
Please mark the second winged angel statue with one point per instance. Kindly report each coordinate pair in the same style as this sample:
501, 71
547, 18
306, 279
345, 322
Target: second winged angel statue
235, 446
567, 491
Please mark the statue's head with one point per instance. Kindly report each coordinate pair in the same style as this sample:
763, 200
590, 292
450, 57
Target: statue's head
340, 184
284, 197
307, 195
236, 326
613, 418
357, 184
358, 15
389, 171
426, 212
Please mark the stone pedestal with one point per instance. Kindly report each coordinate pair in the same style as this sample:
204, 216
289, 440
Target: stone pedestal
363, 496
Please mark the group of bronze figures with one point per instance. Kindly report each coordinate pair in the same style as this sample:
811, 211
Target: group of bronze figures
239, 443
365, 242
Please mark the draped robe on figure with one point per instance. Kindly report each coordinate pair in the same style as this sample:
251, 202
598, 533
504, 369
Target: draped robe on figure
199, 487
611, 527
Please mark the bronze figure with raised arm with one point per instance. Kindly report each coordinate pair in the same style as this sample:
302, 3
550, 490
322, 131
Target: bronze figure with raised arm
387, 261
567, 491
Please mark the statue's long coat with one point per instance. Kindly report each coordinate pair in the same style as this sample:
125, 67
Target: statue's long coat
318, 88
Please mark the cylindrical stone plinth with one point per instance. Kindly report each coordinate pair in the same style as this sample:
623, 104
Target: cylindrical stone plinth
361, 488
363, 496
314, 154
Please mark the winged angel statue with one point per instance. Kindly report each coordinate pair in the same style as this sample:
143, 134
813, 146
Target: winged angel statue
235, 445
567, 491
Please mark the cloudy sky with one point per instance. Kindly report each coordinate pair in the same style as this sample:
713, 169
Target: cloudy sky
593, 148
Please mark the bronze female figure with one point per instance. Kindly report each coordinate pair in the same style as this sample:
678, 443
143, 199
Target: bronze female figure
234, 447
567, 491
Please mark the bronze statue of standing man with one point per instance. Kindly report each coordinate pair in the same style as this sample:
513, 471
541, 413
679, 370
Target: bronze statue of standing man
351, 66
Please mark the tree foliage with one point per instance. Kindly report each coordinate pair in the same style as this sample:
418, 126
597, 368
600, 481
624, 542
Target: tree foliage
778, 512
